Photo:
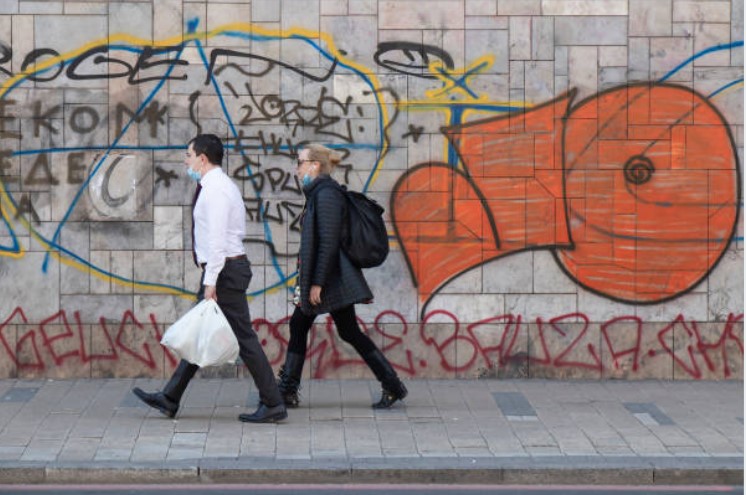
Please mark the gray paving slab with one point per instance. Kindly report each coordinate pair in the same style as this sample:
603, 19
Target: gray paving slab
501, 431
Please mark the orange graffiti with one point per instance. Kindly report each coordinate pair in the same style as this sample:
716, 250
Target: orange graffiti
635, 190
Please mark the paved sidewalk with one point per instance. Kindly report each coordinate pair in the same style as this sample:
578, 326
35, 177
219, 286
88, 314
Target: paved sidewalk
466, 431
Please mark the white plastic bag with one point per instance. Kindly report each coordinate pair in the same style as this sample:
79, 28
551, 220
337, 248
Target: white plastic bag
202, 336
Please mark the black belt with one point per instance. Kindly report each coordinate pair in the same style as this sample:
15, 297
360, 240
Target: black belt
229, 258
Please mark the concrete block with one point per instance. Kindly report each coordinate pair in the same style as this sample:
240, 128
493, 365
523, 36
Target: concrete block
612, 56
560, 60
9, 7
520, 36
486, 22
265, 11
168, 19
61, 342
122, 271
300, 14
435, 357
666, 54
542, 38
362, 7
519, 7
166, 264
93, 307
9, 361
502, 344
695, 11
356, 35
31, 7
611, 77
692, 305
121, 235
639, 59
221, 14
563, 349
171, 187
480, 7
23, 39
517, 77
650, 18
120, 190
511, 274
583, 69
707, 35
736, 31
164, 308
125, 350
99, 283
583, 7
133, 19
66, 33
36, 292
596, 30
454, 40
630, 350
333, 7
439, 14
539, 82
72, 8
167, 227
708, 351
725, 284
85, 125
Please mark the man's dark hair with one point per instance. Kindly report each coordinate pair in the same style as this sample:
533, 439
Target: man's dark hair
208, 145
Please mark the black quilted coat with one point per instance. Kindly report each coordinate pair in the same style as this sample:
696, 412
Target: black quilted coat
321, 260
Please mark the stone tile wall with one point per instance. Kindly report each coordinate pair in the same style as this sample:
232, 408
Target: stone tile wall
597, 237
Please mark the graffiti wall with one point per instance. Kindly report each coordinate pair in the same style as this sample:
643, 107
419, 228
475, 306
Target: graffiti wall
562, 179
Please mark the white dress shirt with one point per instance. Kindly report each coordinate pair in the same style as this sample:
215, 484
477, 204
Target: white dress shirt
219, 223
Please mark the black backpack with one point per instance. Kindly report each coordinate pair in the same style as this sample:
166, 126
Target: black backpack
365, 240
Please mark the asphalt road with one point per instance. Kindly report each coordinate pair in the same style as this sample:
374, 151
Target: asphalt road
361, 490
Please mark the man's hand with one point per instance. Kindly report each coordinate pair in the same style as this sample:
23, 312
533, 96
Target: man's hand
315, 297
210, 292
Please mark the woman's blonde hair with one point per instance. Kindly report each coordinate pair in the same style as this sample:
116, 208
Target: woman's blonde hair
328, 159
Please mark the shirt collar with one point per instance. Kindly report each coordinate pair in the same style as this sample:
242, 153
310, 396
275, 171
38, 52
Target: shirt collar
210, 175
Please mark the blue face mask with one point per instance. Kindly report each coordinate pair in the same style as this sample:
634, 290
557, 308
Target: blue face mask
193, 174
307, 179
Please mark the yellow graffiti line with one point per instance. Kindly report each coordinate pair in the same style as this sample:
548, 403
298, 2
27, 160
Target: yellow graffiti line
100, 274
8, 219
109, 40
444, 75
174, 40
439, 103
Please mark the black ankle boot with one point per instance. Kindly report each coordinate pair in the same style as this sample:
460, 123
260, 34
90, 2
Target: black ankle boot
391, 393
393, 388
288, 379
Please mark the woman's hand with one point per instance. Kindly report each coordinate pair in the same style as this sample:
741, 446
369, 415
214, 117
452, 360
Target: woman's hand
315, 297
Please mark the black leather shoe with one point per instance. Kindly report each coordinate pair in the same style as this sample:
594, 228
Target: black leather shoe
265, 414
157, 401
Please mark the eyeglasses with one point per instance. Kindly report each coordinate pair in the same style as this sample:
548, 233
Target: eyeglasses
301, 162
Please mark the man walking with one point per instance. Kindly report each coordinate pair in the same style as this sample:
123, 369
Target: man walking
219, 226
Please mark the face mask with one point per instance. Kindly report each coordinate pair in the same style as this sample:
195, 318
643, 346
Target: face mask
193, 174
307, 179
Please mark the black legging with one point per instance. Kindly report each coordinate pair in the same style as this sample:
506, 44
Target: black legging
347, 328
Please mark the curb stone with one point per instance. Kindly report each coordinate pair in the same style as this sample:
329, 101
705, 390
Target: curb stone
533, 471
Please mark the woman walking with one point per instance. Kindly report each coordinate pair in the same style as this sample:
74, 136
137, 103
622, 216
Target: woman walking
328, 282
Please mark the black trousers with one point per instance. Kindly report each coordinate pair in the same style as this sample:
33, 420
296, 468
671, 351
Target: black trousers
231, 291
347, 328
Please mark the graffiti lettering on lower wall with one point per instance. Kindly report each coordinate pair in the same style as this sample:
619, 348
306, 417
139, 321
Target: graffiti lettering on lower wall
439, 346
